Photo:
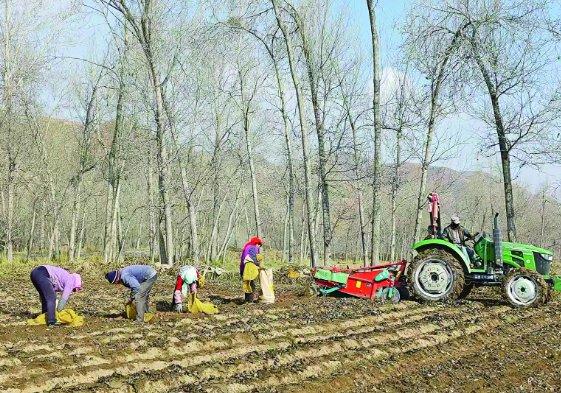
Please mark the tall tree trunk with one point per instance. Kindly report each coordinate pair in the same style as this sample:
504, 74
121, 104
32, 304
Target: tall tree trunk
232, 217
507, 173
31, 231
116, 165
163, 174
254, 194
357, 182
303, 127
152, 240
212, 249
192, 212
8, 121
107, 225
115, 208
394, 192
81, 236
42, 229
213, 246
75, 216
320, 131
542, 220
289, 163
504, 144
143, 31
246, 113
377, 165
421, 195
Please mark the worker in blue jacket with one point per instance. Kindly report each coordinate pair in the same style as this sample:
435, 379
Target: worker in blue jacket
139, 279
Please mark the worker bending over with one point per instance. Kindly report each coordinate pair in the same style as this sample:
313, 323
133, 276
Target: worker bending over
48, 281
187, 282
139, 279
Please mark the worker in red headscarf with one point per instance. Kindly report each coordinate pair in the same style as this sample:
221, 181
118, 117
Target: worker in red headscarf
250, 262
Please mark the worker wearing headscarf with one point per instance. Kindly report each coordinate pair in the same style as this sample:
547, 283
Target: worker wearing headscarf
249, 267
187, 283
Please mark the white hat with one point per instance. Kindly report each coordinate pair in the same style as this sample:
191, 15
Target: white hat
455, 219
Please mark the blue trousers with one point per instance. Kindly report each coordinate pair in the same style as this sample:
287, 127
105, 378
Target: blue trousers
42, 283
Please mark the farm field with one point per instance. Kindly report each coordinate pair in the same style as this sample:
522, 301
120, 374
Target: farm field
299, 344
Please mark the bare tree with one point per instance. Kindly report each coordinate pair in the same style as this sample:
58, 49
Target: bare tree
142, 28
303, 129
377, 132
86, 163
312, 73
507, 46
432, 51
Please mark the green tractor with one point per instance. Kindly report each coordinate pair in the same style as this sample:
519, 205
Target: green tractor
443, 271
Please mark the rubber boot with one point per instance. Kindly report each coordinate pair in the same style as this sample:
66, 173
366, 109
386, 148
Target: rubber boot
248, 297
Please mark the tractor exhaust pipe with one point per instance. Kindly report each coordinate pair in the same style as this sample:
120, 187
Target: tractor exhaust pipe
497, 242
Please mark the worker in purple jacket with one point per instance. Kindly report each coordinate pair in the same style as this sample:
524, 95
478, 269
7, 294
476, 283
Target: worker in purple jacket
139, 279
48, 280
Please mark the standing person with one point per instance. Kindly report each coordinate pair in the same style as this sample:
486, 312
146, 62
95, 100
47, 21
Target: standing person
48, 280
249, 267
187, 281
139, 279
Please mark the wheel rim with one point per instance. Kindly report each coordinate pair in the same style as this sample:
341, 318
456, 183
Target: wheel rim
522, 290
434, 278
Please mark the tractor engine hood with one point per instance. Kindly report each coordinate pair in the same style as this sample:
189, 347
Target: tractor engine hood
526, 248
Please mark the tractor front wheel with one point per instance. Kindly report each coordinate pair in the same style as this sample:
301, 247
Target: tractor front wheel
435, 275
525, 288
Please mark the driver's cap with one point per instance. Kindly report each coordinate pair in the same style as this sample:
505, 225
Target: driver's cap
455, 219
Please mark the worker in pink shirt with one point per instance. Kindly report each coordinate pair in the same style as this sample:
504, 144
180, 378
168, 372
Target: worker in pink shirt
48, 281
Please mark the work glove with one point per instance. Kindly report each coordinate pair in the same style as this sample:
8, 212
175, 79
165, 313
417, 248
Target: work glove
61, 304
178, 307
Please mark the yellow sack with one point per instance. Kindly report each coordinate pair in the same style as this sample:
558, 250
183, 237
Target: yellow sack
196, 306
130, 312
250, 271
66, 317
293, 274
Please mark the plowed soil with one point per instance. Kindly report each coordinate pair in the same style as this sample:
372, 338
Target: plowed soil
299, 344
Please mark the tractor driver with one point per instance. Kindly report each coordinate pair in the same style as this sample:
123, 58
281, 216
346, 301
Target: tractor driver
457, 234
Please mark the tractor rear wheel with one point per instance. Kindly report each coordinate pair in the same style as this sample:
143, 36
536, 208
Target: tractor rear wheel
435, 275
525, 288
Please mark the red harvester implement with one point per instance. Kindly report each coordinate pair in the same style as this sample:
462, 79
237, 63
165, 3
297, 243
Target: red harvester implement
382, 282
